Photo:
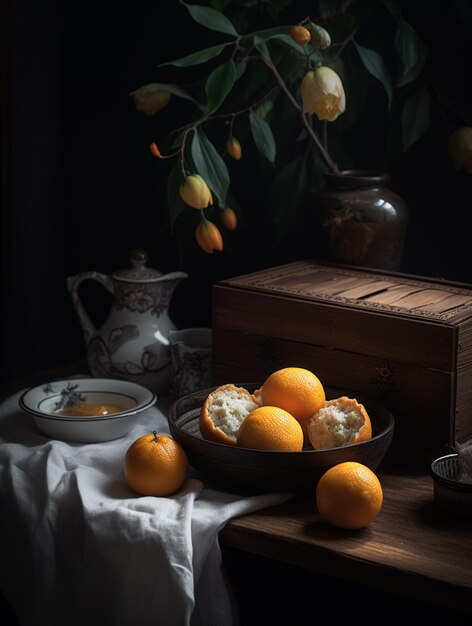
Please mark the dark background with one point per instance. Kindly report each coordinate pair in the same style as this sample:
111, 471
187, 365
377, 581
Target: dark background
80, 189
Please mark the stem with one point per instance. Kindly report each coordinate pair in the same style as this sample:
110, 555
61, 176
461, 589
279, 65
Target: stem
182, 151
231, 124
331, 164
344, 43
241, 111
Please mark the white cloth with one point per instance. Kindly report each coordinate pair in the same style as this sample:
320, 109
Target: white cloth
79, 547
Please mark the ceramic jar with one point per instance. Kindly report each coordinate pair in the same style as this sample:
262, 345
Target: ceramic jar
360, 221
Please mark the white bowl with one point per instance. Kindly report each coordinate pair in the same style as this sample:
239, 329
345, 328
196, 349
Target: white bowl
45, 402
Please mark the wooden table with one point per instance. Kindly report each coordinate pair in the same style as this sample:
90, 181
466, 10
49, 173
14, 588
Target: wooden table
412, 549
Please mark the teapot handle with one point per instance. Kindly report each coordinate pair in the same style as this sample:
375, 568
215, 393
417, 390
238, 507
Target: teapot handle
73, 283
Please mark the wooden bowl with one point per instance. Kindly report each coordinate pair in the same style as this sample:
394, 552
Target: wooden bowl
231, 467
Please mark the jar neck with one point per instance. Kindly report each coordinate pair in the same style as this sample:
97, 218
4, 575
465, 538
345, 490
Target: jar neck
355, 179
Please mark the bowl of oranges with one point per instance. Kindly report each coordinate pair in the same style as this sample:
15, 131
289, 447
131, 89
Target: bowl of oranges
279, 435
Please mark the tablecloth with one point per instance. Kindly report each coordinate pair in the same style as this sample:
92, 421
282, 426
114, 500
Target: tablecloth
78, 546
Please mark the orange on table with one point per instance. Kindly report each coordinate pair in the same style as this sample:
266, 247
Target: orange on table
270, 428
349, 495
295, 389
155, 465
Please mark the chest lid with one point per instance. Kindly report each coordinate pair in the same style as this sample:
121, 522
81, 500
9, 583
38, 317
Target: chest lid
389, 293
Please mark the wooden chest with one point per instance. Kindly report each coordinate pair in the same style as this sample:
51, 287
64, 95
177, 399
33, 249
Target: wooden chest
403, 340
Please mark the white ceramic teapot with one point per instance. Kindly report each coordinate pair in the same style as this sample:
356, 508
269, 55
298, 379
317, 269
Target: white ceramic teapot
133, 343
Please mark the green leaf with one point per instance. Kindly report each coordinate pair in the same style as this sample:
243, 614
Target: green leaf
240, 68
197, 57
267, 33
211, 18
219, 84
317, 57
415, 118
263, 109
176, 204
210, 165
376, 66
261, 46
411, 51
263, 137
176, 90
286, 39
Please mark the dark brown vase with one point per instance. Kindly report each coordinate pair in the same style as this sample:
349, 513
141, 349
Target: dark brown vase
360, 221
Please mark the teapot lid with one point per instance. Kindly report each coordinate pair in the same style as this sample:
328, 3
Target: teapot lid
138, 272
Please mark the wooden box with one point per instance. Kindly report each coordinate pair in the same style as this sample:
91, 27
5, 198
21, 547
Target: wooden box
403, 340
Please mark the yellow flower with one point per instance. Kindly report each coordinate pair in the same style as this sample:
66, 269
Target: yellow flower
323, 94
150, 99
195, 192
460, 149
208, 236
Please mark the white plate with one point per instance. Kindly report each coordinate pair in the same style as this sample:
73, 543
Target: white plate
45, 402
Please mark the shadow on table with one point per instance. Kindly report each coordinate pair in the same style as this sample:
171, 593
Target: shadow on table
271, 592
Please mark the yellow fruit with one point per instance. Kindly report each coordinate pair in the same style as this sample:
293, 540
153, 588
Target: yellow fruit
300, 35
208, 236
234, 148
295, 389
151, 99
229, 219
349, 495
270, 428
155, 465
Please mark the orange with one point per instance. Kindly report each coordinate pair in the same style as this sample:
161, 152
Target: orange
295, 389
340, 422
222, 413
270, 428
155, 465
349, 495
